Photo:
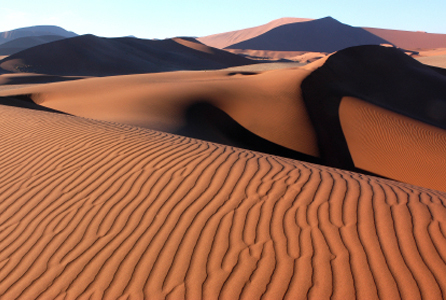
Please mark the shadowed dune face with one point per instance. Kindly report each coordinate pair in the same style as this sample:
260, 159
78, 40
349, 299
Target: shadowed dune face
93, 56
386, 77
90, 209
322, 35
394, 139
21, 44
268, 105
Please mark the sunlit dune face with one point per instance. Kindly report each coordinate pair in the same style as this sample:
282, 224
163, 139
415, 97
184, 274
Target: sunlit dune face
392, 145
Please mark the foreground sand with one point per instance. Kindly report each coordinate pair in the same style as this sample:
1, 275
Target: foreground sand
91, 210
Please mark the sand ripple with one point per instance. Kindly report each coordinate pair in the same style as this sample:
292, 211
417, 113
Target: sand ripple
96, 210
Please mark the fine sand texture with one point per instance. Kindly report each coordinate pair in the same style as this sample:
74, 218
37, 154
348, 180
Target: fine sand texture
392, 145
97, 210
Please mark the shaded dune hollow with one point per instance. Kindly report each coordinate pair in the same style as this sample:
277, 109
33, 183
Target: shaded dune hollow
375, 108
98, 210
261, 111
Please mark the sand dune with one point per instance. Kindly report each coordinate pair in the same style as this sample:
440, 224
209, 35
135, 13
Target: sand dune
297, 56
414, 40
386, 77
223, 40
89, 55
321, 35
393, 145
259, 111
436, 61
408, 128
268, 112
98, 210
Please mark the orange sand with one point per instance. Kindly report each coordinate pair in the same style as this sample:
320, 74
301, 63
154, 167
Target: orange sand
410, 39
96, 210
300, 56
268, 104
392, 145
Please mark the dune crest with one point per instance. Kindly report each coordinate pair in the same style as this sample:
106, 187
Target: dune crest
401, 139
269, 105
223, 40
97, 210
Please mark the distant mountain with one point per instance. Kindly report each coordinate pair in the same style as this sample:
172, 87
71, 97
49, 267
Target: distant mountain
7, 36
89, 55
321, 35
223, 40
23, 43
302, 34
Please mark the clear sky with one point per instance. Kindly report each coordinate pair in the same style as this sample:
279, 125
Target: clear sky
169, 18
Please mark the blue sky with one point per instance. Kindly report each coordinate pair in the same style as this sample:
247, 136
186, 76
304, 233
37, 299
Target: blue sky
169, 18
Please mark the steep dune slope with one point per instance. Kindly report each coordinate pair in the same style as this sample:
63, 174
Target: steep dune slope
104, 211
415, 97
394, 145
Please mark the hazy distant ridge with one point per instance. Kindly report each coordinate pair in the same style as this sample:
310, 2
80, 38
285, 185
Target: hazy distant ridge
41, 30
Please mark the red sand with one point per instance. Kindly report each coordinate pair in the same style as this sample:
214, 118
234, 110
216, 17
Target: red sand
96, 210
94, 207
393, 145
268, 104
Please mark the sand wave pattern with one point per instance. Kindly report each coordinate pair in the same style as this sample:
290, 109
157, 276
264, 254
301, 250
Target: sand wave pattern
95, 210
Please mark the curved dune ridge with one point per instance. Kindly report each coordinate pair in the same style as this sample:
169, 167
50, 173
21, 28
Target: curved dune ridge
403, 138
92, 210
89, 55
229, 107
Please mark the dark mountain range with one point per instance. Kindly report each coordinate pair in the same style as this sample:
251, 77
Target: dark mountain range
7, 36
89, 55
23, 43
